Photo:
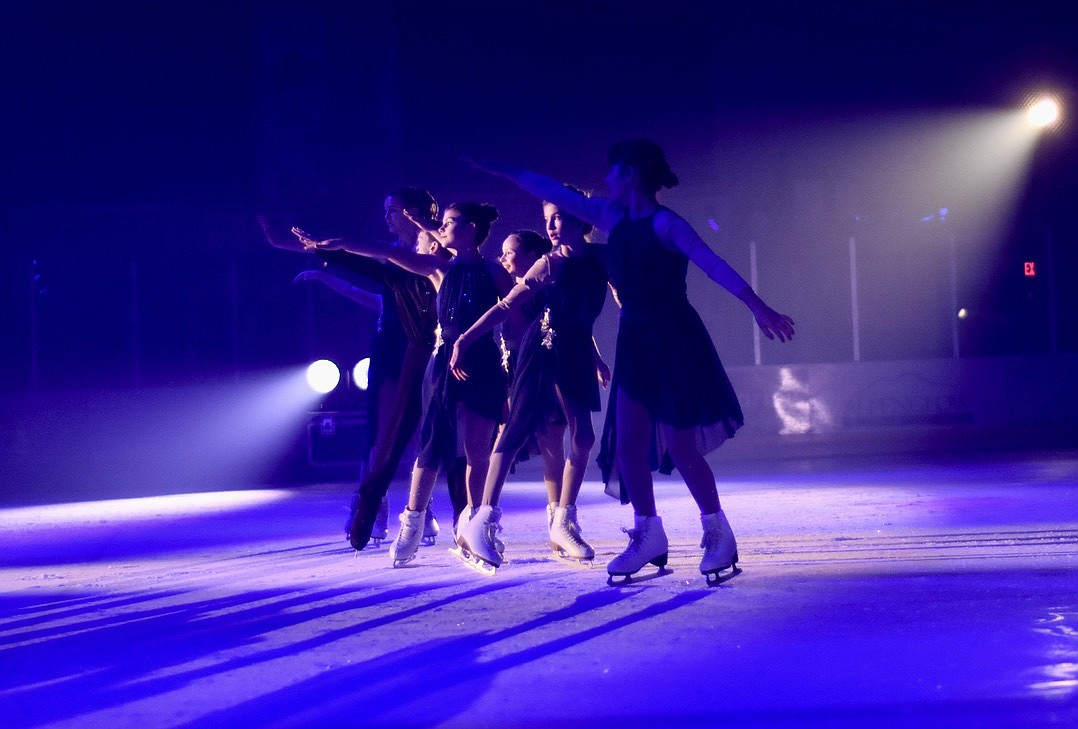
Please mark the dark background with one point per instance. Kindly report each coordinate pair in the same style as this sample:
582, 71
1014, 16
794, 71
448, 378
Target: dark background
140, 140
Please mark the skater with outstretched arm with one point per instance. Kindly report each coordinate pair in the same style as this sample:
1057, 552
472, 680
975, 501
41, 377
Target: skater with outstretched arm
456, 411
400, 350
671, 401
555, 385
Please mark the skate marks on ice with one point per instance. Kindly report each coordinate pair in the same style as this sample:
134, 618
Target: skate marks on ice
920, 546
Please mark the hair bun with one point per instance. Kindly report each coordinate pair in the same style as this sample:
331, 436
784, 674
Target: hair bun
669, 178
487, 212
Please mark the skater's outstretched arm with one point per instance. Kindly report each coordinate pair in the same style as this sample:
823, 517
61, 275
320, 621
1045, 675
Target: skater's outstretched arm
598, 211
677, 232
342, 287
379, 251
419, 263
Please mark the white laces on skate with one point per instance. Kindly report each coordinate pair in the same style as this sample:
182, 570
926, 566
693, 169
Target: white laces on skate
576, 538
634, 540
574, 526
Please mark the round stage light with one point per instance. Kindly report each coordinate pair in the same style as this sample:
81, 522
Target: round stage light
361, 373
323, 376
1044, 113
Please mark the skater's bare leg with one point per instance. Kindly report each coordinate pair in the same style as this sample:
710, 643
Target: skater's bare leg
456, 479
581, 440
693, 467
552, 449
422, 486
497, 471
477, 432
634, 429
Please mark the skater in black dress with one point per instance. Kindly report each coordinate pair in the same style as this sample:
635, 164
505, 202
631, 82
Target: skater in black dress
458, 413
671, 401
555, 383
520, 250
400, 349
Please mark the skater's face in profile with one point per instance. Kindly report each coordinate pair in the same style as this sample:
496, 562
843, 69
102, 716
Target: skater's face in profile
619, 182
514, 259
426, 245
395, 220
455, 233
561, 228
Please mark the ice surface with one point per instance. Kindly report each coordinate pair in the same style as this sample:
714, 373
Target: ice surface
893, 593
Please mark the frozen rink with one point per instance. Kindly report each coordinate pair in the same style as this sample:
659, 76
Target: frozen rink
882, 592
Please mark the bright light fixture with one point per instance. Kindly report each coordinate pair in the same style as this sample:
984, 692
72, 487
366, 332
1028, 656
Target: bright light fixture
323, 376
361, 373
1043, 113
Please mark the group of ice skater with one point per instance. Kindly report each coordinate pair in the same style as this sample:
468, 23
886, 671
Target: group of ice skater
538, 380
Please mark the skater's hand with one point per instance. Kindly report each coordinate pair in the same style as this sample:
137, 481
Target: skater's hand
773, 324
430, 225
457, 357
602, 370
311, 244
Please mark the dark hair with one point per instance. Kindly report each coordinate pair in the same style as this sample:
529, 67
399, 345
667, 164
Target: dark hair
532, 242
481, 215
415, 198
648, 159
585, 224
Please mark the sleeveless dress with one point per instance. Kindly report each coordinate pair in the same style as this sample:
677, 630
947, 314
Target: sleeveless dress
557, 351
664, 358
467, 291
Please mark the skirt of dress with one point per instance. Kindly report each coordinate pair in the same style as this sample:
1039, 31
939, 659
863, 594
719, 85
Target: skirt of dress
483, 393
669, 364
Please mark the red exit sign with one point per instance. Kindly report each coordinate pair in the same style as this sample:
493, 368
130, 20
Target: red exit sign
1030, 269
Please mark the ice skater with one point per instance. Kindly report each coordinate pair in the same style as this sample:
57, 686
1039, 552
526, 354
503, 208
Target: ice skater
457, 411
671, 401
400, 349
555, 386
520, 250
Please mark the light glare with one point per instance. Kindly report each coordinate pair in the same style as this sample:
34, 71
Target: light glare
361, 373
323, 376
1044, 113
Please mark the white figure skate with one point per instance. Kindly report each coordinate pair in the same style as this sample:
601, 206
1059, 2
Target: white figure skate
566, 540
720, 548
404, 547
647, 544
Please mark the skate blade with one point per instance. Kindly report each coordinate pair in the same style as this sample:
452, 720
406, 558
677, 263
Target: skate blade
573, 561
428, 541
375, 543
719, 576
629, 579
473, 562
401, 563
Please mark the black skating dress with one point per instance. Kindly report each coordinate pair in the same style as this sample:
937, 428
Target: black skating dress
467, 291
557, 350
665, 358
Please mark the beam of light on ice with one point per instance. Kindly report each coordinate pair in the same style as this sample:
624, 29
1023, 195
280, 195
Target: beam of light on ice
126, 510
